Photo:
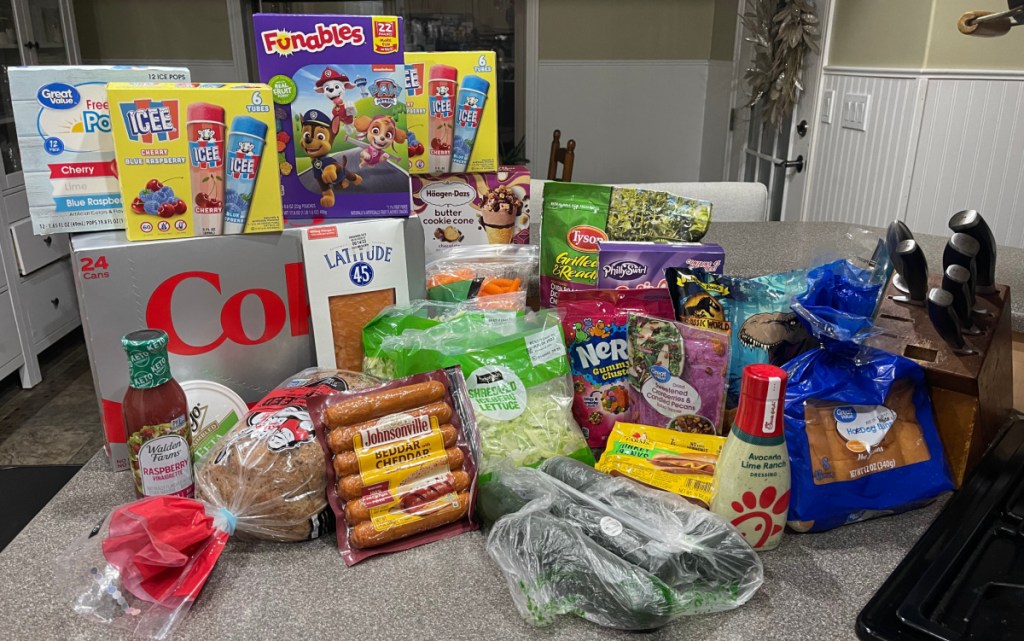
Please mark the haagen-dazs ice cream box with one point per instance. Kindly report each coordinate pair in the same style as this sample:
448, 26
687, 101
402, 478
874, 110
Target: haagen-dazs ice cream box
190, 159
340, 106
473, 209
62, 118
629, 265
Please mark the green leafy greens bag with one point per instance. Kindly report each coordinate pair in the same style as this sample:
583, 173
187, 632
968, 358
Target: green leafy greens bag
517, 377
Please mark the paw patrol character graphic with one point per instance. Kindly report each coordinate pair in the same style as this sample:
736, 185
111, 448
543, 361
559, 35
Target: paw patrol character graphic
317, 140
333, 85
380, 133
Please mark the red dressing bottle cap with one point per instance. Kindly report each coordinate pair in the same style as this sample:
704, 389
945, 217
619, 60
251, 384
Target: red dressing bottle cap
762, 397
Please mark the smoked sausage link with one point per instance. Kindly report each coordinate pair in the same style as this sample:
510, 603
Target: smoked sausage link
365, 535
356, 510
389, 401
346, 463
340, 439
351, 487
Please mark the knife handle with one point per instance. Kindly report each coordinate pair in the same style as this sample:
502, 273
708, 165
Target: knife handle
962, 250
954, 281
970, 222
915, 270
940, 312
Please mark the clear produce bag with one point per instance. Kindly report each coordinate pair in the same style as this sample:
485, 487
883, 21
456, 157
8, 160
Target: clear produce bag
141, 569
571, 540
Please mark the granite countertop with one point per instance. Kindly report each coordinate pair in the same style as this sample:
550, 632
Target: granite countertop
752, 249
815, 584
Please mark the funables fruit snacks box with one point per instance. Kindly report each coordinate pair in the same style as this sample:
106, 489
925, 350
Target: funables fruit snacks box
453, 111
339, 95
67, 151
458, 210
190, 159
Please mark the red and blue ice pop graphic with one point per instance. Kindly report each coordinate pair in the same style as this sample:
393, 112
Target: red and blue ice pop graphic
246, 139
150, 121
469, 110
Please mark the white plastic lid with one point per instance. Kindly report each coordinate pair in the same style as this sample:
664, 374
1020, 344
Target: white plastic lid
213, 409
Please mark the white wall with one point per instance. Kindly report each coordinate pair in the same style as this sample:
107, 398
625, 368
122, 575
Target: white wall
633, 120
936, 142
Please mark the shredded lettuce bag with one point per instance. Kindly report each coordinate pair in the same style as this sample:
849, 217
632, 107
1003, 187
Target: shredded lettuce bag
517, 377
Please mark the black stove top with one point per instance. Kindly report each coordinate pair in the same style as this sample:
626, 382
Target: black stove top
964, 579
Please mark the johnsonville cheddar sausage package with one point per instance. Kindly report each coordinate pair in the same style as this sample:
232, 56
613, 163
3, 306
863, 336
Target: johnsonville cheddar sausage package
517, 377
679, 462
353, 271
594, 322
401, 462
578, 217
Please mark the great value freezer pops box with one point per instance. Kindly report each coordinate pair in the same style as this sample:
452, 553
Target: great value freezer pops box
190, 159
628, 265
234, 308
453, 111
473, 209
62, 118
340, 106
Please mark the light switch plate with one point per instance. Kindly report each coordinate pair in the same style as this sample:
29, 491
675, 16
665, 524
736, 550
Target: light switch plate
828, 98
855, 111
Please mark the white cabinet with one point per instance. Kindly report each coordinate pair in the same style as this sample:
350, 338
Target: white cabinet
37, 293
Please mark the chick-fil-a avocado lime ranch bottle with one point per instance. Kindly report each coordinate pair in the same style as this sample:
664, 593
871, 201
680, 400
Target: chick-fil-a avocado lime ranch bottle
155, 413
751, 486
246, 140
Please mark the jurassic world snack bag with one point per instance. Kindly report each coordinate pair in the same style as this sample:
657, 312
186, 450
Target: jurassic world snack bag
595, 322
577, 217
678, 374
764, 328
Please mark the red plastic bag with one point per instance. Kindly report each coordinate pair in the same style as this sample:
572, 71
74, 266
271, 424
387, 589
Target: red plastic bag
146, 563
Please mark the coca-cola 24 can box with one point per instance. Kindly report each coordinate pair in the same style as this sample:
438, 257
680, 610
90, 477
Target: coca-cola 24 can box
235, 309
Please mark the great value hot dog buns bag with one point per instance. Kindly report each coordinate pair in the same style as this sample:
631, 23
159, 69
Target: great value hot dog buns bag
517, 377
401, 462
267, 471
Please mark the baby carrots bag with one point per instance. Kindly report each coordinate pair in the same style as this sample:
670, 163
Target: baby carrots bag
480, 271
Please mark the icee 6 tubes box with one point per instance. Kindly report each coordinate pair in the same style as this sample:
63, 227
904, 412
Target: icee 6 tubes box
190, 159
339, 93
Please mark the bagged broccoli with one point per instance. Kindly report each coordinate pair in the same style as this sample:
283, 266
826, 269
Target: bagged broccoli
571, 540
517, 377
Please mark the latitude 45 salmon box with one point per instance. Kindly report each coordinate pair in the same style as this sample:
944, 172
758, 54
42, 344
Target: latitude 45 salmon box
453, 111
340, 104
190, 159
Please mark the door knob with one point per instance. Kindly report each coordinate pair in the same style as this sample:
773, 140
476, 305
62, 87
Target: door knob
797, 164
31, 45
801, 128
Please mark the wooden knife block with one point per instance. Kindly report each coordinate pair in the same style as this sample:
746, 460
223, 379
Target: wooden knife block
971, 395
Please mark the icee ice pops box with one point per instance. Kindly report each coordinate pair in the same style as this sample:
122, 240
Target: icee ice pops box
453, 111
339, 94
62, 121
190, 159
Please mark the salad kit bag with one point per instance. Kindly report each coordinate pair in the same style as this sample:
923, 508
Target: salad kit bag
517, 378
595, 324
480, 272
401, 462
571, 540
859, 427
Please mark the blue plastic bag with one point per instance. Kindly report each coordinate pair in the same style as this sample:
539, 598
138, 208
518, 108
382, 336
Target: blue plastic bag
859, 424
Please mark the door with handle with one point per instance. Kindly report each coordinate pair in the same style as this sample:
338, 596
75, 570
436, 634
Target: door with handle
777, 157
